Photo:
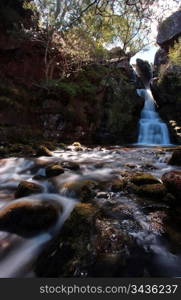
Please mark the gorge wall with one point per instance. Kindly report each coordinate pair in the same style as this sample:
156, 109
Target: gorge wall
167, 84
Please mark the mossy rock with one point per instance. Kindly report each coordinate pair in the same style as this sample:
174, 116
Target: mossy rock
117, 185
26, 188
175, 158
54, 170
144, 178
71, 246
155, 190
43, 151
29, 217
172, 180
84, 190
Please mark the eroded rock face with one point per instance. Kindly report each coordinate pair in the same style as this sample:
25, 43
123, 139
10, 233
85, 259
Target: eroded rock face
161, 58
28, 218
169, 29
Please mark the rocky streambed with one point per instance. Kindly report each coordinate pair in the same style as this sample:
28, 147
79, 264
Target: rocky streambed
80, 211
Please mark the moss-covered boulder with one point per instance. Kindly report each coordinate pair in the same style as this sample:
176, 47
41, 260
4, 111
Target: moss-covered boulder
26, 188
72, 247
172, 180
85, 246
84, 190
144, 178
29, 217
54, 170
43, 151
154, 191
117, 185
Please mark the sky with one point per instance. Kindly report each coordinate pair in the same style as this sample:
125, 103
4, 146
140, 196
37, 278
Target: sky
146, 55
168, 6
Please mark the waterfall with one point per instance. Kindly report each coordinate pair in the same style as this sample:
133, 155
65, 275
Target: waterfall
152, 130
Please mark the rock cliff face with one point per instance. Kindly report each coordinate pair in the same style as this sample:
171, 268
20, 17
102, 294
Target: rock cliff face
169, 30
98, 105
167, 87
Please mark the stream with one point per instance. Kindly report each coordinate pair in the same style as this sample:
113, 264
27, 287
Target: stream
158, 251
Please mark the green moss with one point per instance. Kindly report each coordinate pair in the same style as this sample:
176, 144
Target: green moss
150, 190
144, 178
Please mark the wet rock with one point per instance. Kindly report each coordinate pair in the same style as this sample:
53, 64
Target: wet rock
172, 180
70, 165
76, 144
102, 195
98, 246
72, 247
175, 158
39, 177
27, 218
156, 221
150, 190
117, 185
54, 170
26, 188
84, 190
131, 166
109, 237
144, 178
43, 151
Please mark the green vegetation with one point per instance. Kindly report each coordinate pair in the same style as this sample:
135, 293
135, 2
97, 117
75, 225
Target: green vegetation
175, 53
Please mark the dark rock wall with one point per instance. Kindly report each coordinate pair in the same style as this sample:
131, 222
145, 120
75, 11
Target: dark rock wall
167, 84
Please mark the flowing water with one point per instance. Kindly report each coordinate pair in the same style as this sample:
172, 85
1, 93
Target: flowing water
17, 254
152, 130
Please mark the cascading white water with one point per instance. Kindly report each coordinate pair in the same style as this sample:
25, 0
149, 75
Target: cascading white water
152, 130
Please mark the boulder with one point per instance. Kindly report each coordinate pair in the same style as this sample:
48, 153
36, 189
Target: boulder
150, 190
169, 29
71, 246
54, 170
26, 188
144, 178
43, 151
29, 217
175, 158
117, 185
172, 180
84, 190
